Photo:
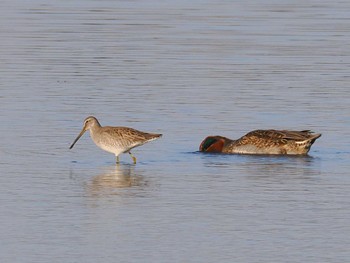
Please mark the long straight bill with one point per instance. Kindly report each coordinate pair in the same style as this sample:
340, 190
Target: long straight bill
76, 139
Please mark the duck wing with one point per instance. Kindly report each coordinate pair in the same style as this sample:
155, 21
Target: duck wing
259, 137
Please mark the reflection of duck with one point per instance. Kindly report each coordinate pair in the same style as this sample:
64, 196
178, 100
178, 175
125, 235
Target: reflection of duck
116, 177
262, 142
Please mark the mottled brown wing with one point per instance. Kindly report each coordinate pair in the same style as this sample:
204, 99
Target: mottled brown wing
128, 137
297, 135
263, 138
135, 138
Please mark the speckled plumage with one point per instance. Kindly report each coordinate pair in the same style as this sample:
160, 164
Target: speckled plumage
263, 142
115, 140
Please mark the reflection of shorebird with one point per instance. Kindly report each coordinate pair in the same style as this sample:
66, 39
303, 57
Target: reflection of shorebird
115, 140
116, 177
262, 142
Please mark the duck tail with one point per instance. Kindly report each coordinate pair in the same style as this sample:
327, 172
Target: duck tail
314, 137
309, 141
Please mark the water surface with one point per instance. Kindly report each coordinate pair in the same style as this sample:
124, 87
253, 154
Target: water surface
186, 70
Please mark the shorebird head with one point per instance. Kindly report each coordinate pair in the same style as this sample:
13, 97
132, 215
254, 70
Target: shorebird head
213, 144
89, 123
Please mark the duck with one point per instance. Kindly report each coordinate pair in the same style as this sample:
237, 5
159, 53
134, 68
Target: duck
274, 142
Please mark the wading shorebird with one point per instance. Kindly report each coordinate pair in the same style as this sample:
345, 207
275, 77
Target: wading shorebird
115, 140
262, 142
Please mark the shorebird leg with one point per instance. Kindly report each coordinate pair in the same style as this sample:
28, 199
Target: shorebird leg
133, 157
117, 159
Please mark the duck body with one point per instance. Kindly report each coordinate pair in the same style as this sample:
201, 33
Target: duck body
277, 142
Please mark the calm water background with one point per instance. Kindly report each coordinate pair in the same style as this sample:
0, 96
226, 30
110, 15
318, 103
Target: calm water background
186, 69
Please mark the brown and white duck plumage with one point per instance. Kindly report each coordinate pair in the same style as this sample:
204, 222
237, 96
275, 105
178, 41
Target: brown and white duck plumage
262, 142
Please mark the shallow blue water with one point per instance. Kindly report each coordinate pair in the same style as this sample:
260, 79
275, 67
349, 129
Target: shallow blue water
186, 70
